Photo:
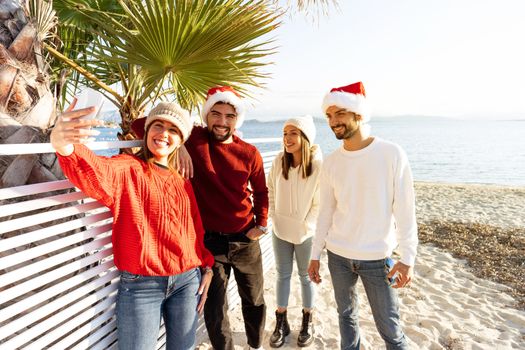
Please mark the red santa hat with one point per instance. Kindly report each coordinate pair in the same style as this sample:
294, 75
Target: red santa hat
350, 97
224, 94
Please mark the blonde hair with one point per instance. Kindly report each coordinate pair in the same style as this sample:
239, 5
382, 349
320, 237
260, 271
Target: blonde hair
306, 159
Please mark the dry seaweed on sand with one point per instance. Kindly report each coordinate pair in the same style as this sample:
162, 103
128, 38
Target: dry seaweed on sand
493, 253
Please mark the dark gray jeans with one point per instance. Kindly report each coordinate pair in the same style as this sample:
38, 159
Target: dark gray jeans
238, 253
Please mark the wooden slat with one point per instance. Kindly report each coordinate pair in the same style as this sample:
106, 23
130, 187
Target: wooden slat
27, 190
22, 207
42, 280
264, 140
56, 289
31, 220
107, 343
270, 154
72, 328
47, 248
30, 237
37, 148
55, 313
39, 266
161, 341
202, 333
59, 317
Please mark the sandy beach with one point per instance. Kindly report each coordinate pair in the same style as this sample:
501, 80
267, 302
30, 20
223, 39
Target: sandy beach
454, 302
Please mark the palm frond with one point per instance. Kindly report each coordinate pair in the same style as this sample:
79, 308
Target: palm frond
313, 9
43, 14
70, 12
157, 47
199, 42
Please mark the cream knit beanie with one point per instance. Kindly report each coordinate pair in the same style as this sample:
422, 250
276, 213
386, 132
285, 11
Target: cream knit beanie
305, 124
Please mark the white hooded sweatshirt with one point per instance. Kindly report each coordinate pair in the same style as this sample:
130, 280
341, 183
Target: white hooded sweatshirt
294, 203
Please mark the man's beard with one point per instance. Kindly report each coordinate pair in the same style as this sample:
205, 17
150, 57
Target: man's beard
348, 133
222, 137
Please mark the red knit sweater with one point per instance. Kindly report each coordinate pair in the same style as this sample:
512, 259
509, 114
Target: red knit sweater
157, 229
222, 172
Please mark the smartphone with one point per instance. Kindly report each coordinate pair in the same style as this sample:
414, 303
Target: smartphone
90, 98
389, 264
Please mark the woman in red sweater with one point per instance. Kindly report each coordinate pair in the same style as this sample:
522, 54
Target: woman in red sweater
157, 230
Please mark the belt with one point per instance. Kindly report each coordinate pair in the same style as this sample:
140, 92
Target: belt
232, 237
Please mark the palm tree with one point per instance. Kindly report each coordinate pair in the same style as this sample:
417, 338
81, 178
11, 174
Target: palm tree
150, 49
133, 51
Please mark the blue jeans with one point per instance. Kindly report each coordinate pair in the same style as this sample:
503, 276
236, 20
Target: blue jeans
284, 252
382, 299
143, 300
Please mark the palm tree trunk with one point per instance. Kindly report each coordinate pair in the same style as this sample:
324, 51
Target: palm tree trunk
27, 106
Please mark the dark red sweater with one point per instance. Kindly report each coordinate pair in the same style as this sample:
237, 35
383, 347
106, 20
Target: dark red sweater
222, 172
157, 229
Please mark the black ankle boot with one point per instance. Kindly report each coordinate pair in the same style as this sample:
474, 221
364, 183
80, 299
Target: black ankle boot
282, 329
306, 335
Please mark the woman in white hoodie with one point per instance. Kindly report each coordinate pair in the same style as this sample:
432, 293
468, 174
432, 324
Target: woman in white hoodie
293, 190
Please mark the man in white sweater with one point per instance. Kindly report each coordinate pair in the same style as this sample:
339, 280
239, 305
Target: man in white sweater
367, 209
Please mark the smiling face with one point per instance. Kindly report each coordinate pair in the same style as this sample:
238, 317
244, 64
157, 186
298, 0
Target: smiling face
343, 123
222, 118
292, 139
162, 139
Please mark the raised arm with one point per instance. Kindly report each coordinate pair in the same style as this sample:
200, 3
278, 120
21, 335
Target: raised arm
71, 129
93, 174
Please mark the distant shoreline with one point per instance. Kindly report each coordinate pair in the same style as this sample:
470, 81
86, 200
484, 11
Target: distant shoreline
319, 118
470, 184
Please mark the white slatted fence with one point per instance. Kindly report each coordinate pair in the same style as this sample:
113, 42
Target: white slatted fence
58, 283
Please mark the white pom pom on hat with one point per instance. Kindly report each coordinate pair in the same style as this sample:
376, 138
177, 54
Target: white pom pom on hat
224, 94
305, 124
350, 97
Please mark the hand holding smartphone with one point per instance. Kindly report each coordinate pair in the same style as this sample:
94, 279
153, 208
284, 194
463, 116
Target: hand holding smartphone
90, 98
389, 264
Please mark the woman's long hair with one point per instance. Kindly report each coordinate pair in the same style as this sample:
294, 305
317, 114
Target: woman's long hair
146, 155
306, 159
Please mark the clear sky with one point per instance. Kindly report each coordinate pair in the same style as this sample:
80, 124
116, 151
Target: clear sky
452, 58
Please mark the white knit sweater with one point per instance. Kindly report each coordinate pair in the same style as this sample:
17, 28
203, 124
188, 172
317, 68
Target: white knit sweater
294, 203
367, 204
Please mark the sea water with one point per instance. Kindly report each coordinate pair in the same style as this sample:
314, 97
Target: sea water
439, 149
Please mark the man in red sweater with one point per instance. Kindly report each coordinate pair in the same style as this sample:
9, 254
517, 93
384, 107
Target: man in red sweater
230, 186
